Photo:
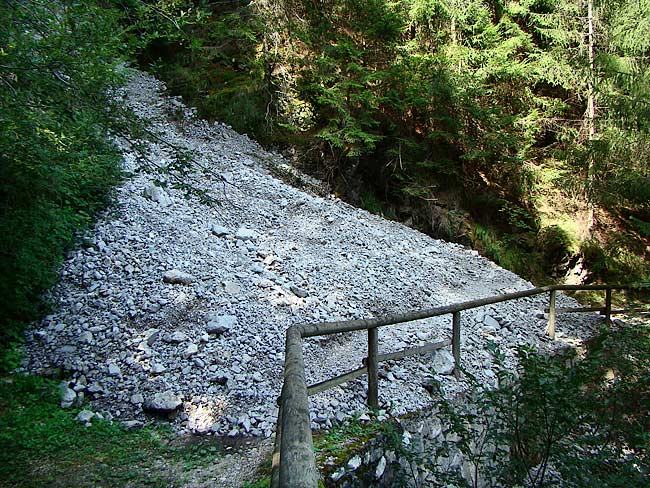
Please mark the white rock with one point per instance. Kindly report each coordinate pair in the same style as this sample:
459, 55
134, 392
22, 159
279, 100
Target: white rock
491, 323
164, 402
157, 368
381, 466
85, 416
114, 370
219, 230
245, 234
177, 277
177, 337
157, 194
219, 324
133, 424
137, 399
443, 362
190, 351
354, 463
68, 396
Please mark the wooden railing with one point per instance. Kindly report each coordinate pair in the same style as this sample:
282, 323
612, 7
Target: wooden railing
293, 458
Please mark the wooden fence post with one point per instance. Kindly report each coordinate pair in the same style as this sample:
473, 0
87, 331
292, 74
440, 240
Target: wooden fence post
455, 343
373, 368
550, 330
275, 463
297, 460
608, 305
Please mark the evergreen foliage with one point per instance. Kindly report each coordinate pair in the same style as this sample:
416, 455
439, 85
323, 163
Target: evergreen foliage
435, 105
469, 118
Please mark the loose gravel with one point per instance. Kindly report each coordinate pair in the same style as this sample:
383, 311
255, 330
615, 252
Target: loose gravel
172, 307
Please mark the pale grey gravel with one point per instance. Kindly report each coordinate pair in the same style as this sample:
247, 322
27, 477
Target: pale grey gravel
170, 296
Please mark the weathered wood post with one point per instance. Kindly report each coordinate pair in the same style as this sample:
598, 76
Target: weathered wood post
275, 462
455, 343
608, 305
550, 330
297, 461
373, 368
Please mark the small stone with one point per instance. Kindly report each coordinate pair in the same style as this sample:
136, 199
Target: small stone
177, 277
245, 234
220, 324
114, 370
354, 463
443, 362
68, 397
157, 194
491, 323
86, 337
190, 351
245, 422
231, 287
95, 389
133, 424
299, 292
164, 402
152, 336
381, 466
157, 368
219, 230
177, 337
406, 438
338, 474
137, 399
85, 416
422, 336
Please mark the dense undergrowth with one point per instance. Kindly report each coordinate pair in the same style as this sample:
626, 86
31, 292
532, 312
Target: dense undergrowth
579, 416
57, 167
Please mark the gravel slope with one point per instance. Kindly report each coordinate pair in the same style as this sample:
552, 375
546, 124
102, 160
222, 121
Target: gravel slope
125, 330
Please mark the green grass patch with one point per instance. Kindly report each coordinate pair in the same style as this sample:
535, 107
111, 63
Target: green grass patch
43, 445
343, 441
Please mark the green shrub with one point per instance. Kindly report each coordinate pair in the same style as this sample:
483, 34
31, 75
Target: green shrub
56, 167
586, 418
617, 261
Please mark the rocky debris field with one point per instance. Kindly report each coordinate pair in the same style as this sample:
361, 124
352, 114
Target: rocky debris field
175, 308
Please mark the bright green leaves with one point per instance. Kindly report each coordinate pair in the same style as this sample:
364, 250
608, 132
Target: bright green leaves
59, 60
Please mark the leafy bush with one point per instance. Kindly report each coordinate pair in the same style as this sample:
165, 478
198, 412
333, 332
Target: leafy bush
617, 261
581, 419
58, 61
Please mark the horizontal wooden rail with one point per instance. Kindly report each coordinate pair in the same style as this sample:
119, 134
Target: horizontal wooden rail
617, 311
576, 309
391, 356
339, 380
414, 351
293, 458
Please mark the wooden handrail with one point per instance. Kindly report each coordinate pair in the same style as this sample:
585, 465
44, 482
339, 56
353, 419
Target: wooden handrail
293, 458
